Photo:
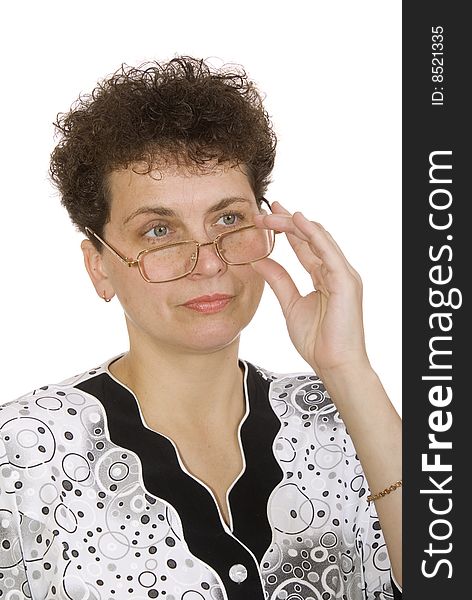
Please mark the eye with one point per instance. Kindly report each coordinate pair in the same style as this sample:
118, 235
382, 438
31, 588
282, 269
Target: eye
230, 218
158, 231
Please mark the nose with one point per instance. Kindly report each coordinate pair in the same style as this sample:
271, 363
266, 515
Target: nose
209, 263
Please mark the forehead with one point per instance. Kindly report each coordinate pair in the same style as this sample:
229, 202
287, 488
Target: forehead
182, 191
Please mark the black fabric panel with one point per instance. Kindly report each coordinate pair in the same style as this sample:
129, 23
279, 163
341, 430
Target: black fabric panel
397, 595
248, 499
163, 477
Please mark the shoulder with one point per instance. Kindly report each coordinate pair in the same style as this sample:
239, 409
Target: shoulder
314, 449
302, 390
44, 408
308, 414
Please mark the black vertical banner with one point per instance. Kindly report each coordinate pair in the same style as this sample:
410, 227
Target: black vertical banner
437, 266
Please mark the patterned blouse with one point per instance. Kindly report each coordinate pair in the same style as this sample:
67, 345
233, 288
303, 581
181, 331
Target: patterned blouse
95, 505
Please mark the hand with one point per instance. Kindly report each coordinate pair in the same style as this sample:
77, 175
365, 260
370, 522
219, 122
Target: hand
326, 325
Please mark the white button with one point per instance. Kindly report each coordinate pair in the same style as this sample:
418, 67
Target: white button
238, 573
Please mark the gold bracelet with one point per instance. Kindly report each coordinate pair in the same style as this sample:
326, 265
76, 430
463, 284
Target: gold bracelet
384, 492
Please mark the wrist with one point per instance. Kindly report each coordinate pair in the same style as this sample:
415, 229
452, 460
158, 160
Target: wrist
351, 384
347, 373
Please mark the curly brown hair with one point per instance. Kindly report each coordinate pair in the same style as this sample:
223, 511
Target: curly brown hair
182, 111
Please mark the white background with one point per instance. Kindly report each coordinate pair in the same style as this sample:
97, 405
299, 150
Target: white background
332, 78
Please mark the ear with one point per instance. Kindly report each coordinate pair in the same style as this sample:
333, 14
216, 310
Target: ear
96, 269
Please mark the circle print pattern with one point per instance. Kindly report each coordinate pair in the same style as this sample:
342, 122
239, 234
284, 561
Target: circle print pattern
298, 517
322, 541
116, 470
381, 560
294, 589
88, 525
309, 400
91, 530
76, 467
30, 442
114, 545
10, 550
49, 403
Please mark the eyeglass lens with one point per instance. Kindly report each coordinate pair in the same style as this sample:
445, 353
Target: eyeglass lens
236, 247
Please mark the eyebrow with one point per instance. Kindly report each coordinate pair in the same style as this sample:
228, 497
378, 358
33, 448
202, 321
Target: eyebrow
168, 212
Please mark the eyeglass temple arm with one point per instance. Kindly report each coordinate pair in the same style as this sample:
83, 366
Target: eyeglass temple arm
270, 208
267, 202
127, 261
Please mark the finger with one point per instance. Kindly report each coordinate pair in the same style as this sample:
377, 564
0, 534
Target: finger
298, 226
279, 222
274, 208
302, 246
305, 252
336, 272
277, 207
349, 266
310, 242
322, 242
298, 242
280, 281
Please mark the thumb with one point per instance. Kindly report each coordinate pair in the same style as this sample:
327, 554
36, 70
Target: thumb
279, 280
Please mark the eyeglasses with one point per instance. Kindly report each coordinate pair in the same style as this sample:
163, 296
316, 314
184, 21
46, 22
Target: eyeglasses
173, 261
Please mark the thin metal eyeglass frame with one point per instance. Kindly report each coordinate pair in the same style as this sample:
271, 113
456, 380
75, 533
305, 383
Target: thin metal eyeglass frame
137, 261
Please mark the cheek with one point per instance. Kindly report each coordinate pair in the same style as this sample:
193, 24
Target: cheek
138, 296
128, 287
254, 283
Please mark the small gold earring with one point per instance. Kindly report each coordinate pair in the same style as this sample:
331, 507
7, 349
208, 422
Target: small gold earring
104, 296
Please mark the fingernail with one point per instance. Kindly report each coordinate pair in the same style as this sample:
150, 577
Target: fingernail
279, 216
281, 205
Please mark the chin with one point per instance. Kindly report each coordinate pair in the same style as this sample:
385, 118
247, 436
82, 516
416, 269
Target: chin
212, 339
212, 332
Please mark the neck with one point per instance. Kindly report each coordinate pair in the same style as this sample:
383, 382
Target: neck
184, 388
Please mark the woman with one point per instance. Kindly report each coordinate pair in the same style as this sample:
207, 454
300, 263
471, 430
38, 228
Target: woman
177, 469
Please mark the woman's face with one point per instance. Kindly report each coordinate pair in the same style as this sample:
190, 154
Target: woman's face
140, 217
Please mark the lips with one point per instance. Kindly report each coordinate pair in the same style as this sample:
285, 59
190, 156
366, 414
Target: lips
208, 305
211, 298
